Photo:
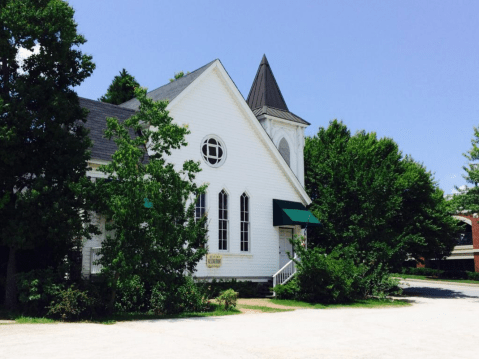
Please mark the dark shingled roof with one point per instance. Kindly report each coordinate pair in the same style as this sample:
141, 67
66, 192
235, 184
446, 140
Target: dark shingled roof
285, 115
265, 96
102, 148
265, 90
169, 91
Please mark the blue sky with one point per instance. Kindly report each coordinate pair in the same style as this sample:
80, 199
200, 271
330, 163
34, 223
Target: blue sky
403, 69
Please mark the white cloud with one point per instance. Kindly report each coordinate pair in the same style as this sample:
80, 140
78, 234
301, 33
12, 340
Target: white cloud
24, 54
461, 188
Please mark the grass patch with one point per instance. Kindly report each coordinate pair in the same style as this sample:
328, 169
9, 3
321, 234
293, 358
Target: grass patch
217, 310
364, 303
33, 320
423, 277
19, 318
297, 303
264, 309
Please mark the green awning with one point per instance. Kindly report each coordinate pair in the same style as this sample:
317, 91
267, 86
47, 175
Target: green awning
287, 213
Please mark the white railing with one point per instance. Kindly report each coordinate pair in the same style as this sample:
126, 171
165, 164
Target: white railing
286, 273
95, 268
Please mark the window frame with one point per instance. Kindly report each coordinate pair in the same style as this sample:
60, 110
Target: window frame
221, 145
223, 221
245, 221
202, 208
281, 150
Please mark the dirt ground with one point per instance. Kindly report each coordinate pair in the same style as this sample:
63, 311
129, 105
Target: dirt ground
439, 326
263, 302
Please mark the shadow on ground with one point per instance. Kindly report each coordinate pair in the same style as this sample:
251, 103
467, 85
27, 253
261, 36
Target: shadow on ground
428, 292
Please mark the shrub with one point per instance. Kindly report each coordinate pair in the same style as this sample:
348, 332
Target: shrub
377, 282
428, 272
473, 275
131, 295
290, 290
338, 276
228, 299
453, 274
71, 304
184, 296
157, 299
36, 289
245, 289
328, 278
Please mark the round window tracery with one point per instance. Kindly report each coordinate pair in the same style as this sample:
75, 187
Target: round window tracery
213, 151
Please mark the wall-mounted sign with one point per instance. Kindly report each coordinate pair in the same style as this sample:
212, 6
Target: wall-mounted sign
213, 260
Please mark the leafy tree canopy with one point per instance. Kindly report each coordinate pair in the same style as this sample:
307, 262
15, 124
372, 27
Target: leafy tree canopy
467, 200
43, 145
367, 195
178, 75
145, 201
121, 89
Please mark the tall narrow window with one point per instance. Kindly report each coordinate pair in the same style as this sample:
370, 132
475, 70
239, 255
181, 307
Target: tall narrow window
200, 212
244, 200
200, 208
223, 221
284, 150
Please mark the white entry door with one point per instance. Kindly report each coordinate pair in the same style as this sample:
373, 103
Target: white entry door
285, 234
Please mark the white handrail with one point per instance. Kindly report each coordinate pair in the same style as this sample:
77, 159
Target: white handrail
285, 273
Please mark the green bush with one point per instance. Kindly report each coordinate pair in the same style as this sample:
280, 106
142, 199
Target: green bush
453, 274
184, 296
338, 276
245, 289
377, 282
473, 276
131, 296
443, 274
328, 278
428, 272
36, 290
228, 299
290, 290
71, 304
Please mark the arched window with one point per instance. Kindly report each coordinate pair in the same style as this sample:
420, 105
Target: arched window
223, 221
245, 232
284, 150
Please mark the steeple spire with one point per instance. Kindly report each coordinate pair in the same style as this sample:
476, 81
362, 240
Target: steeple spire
265, 91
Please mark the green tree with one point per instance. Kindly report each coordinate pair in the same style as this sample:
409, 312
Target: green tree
178, 75
467, 200
367, 195
43, 145
145, 201
121, 89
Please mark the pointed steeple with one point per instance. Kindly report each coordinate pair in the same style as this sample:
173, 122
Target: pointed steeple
265, 91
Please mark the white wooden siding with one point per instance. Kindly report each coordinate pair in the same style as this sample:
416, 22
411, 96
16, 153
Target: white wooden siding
250, 166
212, 108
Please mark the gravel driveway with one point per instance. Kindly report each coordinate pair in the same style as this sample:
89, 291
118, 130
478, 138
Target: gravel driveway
434, 327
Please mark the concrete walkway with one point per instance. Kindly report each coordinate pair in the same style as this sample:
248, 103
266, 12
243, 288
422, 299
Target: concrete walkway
434, 327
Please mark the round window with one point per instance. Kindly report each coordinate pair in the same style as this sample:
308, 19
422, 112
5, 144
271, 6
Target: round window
213, 151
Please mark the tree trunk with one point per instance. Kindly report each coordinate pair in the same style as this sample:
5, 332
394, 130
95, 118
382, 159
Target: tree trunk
111, 305
11, 285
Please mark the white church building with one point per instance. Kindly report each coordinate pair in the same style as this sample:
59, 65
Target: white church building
251, 155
